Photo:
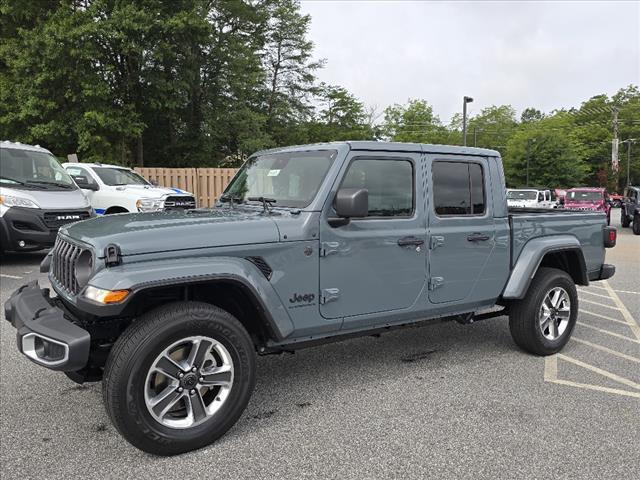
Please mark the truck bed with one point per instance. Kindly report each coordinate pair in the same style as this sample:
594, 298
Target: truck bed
529, 223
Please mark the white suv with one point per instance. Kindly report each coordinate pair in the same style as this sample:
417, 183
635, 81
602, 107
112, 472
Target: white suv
116, 189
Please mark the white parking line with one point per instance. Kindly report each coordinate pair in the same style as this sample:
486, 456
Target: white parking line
605, 349
594, 294
625, 313
627, 291
4, 275
600, 304
600, 371
603, 316
617, 335
551, 375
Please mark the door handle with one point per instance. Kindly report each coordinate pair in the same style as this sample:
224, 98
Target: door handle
478, 237
406, 241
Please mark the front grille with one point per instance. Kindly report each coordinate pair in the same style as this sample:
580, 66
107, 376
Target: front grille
55, 220
179, 203
63, 264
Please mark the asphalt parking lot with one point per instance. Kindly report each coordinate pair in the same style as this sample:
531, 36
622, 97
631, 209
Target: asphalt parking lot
445, 401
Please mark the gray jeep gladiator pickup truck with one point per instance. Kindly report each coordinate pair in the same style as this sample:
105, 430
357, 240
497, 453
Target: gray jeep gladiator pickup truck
308, 244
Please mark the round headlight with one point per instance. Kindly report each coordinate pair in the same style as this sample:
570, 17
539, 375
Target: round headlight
84, 267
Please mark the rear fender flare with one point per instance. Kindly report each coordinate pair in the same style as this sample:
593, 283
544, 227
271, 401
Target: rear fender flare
532, 256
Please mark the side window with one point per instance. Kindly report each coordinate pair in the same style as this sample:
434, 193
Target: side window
390, 185
458, 188
540, 197
79, 172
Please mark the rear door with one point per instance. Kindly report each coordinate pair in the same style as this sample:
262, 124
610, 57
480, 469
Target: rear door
461, 227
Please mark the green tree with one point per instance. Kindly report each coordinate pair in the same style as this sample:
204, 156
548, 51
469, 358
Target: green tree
555, 158
342, 117
290, 70
492, 127
531, 115
414, 122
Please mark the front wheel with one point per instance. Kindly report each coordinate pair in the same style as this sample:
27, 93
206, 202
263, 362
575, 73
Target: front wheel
542, 322
179, 377
624, 220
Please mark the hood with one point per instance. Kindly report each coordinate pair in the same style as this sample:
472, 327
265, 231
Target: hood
50, 199
137, 233
147, 191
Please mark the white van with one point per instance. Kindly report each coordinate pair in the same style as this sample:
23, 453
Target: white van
116, 189
37, 197
529, 198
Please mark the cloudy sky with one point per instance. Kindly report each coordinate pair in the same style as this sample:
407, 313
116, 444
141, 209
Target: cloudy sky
542, 54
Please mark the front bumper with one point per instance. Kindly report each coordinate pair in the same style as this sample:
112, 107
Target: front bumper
44, 335
25, 229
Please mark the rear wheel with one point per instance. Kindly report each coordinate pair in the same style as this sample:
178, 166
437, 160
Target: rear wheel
542, 322
636, 224
624, 220
179, 378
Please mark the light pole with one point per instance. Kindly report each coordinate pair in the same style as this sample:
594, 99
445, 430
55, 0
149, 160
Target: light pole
529, 142
629, 141
465, 100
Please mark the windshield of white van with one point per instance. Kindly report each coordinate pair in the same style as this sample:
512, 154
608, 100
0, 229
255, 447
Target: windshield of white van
289, 179
119, 176
26, 169
522, 194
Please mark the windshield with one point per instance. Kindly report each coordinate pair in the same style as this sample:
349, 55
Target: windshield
292, 179
32, 170
522, 194
584, 196
119, 176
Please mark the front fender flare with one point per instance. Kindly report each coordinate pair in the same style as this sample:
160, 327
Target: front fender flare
144, 275
530, 258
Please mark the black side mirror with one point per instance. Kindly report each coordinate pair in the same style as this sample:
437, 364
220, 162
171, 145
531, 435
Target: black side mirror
83, 183
350, 203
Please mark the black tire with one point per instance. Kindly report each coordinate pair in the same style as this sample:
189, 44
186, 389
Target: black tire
138, 347
523, 314
113, 210
636, 224
624, 220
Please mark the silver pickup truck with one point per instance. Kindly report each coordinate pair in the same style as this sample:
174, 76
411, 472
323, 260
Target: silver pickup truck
308, 244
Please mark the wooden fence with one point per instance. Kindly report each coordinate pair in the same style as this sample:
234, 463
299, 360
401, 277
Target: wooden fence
207, 184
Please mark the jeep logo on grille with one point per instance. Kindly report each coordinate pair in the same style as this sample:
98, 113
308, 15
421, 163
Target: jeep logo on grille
68, 217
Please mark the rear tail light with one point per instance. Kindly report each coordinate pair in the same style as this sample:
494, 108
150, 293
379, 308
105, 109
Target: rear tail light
610, 237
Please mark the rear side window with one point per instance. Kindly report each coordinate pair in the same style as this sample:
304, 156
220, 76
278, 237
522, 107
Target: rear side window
458, 188
390, 185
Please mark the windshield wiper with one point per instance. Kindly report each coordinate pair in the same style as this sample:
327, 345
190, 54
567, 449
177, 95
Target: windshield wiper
21, 182
232, 199
266, 202
55, 184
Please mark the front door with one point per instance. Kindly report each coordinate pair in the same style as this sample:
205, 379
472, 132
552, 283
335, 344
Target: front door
378, 263
461, 228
